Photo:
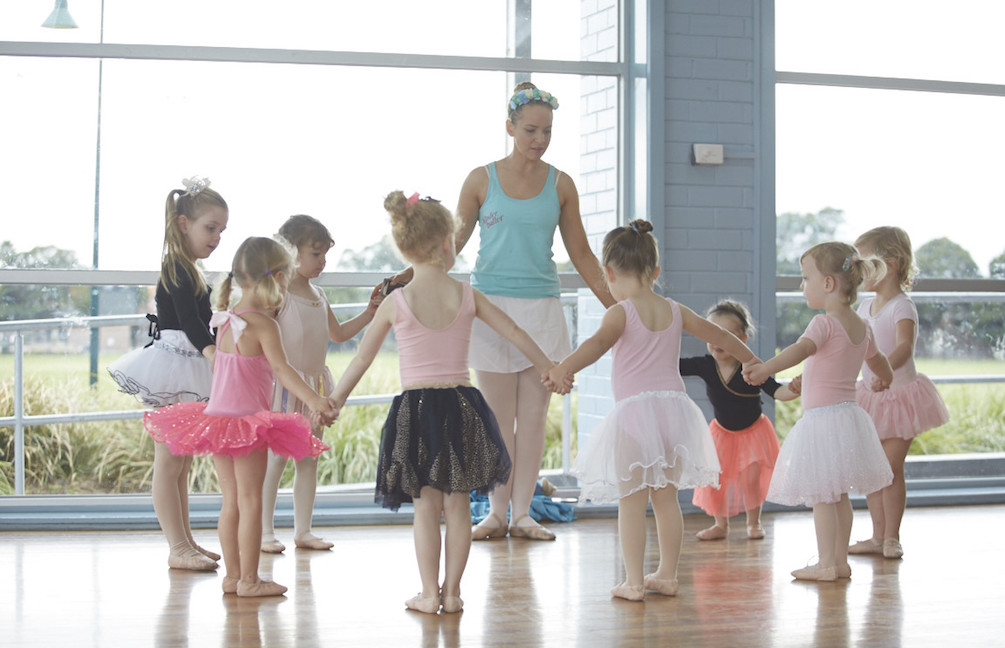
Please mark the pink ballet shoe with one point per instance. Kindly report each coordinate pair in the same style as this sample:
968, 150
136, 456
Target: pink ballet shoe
483, 531
212, 555
451, 604
665, 586
815, 573
628, 592
230, 584
755, 532
426, 604
260, 589
314, 543
843, 571
531, 532
869, 546
194, 561
713, 532
892, 548
273, 546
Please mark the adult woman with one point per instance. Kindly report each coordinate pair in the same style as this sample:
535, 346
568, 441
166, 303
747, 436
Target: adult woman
519, 201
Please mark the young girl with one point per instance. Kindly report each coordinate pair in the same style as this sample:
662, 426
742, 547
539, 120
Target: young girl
307, 323
236, 426
745, 439
175, 366
833, 448
441, 440
912, 405
655, 440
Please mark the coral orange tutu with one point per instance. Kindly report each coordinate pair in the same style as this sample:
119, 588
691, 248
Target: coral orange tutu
747, 458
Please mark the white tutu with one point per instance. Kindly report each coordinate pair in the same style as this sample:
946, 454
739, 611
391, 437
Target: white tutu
649, 440
830, 451
169, 371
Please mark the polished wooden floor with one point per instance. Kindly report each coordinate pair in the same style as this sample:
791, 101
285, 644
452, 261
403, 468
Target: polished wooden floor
114, 589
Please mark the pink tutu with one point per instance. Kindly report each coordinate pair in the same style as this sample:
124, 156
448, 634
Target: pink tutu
188, 430
747, 458
904, 411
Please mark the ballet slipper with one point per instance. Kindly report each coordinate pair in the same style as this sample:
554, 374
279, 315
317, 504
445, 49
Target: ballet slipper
260, 588
212, 555
313, 542
665, 586
628, 592
483, 532
843, 571
230, 584
427, 604
869, 546
451, 604
193, 561
892, 548
531, 532
273, 546
714, 532
815, 573
755, 532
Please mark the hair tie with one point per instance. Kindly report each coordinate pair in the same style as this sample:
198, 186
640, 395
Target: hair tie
848, 260
414, 198
230, 275
268, 272
194, 185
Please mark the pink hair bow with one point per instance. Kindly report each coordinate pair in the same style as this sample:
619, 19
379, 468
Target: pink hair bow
414, 198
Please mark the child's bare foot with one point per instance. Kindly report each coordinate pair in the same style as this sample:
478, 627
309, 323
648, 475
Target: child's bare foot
714, 532
869, 546
665, 586
815, 573
427, 604
755, 532
259, 588
311, 541
629, 592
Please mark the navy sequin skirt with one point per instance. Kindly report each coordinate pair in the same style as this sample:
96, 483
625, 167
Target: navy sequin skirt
446, 438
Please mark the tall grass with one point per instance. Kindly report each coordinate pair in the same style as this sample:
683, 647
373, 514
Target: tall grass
117, 456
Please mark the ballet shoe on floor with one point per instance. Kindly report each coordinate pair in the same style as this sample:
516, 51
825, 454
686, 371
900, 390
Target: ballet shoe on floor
212, 555
427, 604
451, 604
629, 592
843, 571
713, 532
229, 584
869, 546
313, 542
815, 573
531, 531
665, 586
273, 546
482, 531
194, 561
755, 532
892, 548
261, 588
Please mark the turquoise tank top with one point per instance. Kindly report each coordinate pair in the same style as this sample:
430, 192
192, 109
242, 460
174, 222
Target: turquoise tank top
516, 236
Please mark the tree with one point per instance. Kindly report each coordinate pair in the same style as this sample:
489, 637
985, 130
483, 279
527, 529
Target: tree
22, 301
996, 269
941, 258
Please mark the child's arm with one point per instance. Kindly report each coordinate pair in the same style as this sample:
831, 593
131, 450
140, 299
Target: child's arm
880, 366
270, 338
785, 393
502, 324
347, 330
715, 335
907, 332
368, 349
591, 350
788, 357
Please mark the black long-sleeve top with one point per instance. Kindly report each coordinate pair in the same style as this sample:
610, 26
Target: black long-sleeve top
736, 404
180, 309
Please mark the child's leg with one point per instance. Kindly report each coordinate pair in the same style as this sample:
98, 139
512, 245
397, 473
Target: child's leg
249, 475
829, 522
842, 535
426, 535
270, 491
226, 526
305, 488
670, 531
170, 498
894, 496
457, 546
632, 533
752, 498
499, 390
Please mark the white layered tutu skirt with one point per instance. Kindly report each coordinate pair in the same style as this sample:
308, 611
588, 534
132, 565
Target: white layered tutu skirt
649, 440
904, 411
830, 451
171, 370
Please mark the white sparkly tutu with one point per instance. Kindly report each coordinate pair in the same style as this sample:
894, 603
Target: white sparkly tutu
171, 370
904, 411
649, 440
830, 451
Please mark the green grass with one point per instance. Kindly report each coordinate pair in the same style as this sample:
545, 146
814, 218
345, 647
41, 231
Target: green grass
117, 456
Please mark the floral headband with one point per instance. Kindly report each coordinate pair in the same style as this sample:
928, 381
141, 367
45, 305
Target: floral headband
524, 97
194, 185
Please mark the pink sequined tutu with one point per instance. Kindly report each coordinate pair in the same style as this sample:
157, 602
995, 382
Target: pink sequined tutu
904, 411
188, 430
